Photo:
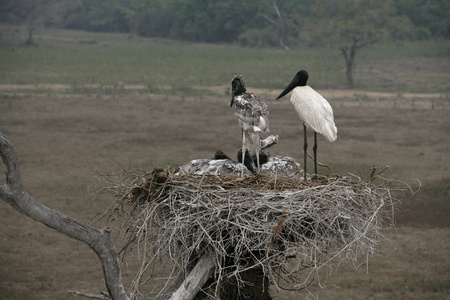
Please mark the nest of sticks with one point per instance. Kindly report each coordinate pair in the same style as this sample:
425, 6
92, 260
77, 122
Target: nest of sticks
288, 227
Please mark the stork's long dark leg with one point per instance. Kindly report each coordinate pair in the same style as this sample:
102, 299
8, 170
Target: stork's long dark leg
243, 150
257, 146
315, 152
305, 147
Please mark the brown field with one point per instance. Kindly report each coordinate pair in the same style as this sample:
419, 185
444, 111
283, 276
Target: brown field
59, 137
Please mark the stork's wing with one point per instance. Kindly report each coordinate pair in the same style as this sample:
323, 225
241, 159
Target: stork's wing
252, 111
315, 111
212, 166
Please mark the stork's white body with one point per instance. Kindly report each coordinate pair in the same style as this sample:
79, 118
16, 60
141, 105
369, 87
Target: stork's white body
315, 111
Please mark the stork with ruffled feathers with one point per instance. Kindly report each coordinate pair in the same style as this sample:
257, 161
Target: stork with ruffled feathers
313, 109
253, 117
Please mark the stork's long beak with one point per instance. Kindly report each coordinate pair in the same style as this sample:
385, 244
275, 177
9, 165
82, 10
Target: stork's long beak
232, 100
289, 88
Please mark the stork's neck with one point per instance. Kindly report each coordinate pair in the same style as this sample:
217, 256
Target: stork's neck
239, 90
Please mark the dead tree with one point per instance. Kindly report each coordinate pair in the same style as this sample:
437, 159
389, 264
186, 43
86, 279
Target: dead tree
13, 193
281, 24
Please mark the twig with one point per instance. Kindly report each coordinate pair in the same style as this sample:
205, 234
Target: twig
88, 295
320, 164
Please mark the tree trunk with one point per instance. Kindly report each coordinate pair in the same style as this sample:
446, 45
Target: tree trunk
281, 25
32, 10
349, 74
30, 41
349, 58
100, 241
282, 29
30, 25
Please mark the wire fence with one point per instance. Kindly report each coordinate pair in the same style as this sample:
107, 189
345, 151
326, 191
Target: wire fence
337, 98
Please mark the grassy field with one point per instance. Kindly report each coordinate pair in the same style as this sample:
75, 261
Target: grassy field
181, 111
79, 59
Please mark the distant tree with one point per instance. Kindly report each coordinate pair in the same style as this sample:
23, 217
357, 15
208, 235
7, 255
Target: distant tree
32, 10
131, 11
28, 12
350, 25
275, 24
281, 25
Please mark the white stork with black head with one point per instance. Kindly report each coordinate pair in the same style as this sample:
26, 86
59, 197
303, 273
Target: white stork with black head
313, 109
252, 114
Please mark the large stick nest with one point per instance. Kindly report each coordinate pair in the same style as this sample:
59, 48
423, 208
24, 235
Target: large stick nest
289, 227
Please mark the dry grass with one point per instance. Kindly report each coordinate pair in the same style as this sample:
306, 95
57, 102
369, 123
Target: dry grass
59, 138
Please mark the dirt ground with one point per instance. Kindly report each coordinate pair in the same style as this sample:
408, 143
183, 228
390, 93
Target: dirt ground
59, 137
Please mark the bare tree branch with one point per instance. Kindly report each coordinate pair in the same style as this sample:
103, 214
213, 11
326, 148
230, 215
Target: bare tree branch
88, 295
281, 26
195, 280
100, 241
277, 10
268, 18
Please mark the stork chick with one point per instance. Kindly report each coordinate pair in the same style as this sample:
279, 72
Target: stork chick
252, 114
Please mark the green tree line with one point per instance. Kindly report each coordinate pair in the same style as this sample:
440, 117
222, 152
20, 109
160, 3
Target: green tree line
346, 25
251, 23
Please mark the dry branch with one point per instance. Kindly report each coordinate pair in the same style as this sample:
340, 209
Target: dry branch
195, 280
89, 295
100, 241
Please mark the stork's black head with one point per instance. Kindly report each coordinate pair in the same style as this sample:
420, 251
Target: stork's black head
300, 79
249, 162
221, 155
237, 87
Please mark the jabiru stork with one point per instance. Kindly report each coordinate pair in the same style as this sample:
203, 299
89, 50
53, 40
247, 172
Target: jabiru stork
314, 111
252, 114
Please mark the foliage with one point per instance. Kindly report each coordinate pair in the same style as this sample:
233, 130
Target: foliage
340, 23
254, 23
351, 25
430, 17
